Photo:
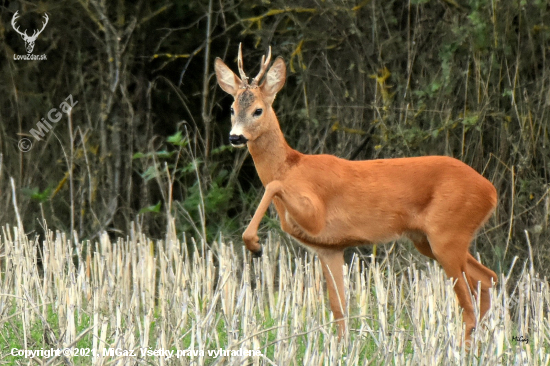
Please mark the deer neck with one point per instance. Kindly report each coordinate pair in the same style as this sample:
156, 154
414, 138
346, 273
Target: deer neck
271, 155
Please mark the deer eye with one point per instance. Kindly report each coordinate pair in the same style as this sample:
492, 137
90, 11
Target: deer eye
232, 111
257, 112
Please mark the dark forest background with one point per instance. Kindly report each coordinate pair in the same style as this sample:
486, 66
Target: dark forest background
147, 142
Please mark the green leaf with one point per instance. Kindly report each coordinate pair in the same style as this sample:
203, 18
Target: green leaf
36, 195
155, 208
163, 154
177, 139
192, 166
507, 93
220, 149
149, 174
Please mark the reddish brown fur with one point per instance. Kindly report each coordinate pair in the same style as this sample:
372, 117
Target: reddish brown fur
329, 204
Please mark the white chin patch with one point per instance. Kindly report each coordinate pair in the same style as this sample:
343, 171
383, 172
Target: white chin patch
240, 146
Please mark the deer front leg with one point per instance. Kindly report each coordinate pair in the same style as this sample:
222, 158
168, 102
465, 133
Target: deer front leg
250, 235
304, 208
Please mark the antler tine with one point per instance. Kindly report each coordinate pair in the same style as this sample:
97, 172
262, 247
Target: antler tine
15, 16
44, 24
265, 64
244, 78
15, 27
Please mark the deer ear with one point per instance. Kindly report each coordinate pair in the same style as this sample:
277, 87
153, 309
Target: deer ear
274, 80
227, 79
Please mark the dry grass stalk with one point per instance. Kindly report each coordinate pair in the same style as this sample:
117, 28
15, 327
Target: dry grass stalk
138, 293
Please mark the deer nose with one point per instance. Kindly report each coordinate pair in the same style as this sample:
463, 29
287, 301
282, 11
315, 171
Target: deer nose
237, 140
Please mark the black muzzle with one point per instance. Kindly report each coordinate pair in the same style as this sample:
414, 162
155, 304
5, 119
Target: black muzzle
237, 140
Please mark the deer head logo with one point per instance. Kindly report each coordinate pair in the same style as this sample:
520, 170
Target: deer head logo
29, 40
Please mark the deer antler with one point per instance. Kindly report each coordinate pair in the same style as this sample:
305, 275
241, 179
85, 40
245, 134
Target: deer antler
24, 34
16, 28
43, 26
265, 63
244, 78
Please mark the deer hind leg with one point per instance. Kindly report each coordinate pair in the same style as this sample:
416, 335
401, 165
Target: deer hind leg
452, 254
475, 272
484, 275
332, 261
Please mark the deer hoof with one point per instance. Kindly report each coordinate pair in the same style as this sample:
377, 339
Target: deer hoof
252, 242
258, 253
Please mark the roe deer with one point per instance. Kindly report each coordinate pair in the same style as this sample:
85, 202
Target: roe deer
328, 203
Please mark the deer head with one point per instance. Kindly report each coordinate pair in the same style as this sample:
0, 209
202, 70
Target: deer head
251, 112
29, 40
